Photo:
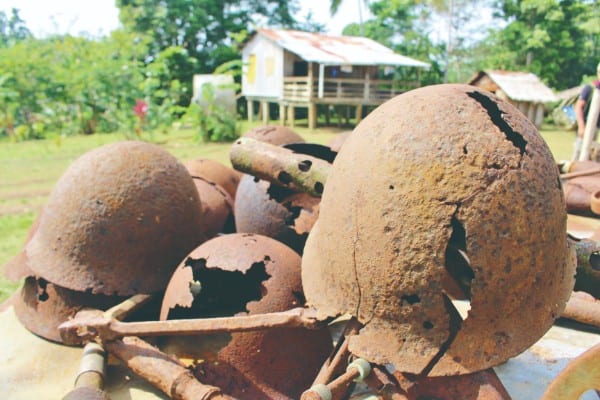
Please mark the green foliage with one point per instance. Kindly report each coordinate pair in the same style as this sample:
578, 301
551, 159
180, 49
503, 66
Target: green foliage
214, 122
555, 39
12, 29
201, 27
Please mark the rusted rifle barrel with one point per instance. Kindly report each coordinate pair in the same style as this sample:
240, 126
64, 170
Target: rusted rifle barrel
280, 166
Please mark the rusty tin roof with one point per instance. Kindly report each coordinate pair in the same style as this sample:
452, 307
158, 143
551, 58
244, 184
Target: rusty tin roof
338, 50
518, 86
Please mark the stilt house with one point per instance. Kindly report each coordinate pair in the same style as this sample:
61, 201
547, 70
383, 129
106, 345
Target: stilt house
297, 69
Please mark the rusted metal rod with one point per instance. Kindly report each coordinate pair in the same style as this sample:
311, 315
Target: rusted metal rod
165, 373
584, 308
335, 363
357, 371
91, 325
280, 166
569, 175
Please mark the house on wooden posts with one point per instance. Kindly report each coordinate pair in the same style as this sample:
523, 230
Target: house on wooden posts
297, 69
524, 90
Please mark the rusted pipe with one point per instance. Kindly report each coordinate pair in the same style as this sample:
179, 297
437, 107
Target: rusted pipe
163, 372
280, 166
584, 308
89, 383
89, 325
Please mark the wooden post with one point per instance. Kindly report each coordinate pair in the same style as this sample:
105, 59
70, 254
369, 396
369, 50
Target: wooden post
312, 115
310, 81
359, 110
265, 112
321, 80
291, 115
281, 114
590, 125
250, 110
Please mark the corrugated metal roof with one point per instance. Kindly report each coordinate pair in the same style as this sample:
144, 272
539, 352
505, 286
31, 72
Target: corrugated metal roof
520, 86
338, 50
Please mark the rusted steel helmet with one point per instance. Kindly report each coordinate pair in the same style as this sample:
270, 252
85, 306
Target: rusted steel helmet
42, 306
216, 208
118, 222
261, 275
268, 210
274, 134
441, 173
215, 172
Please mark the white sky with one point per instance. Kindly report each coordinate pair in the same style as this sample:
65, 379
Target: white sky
99, 17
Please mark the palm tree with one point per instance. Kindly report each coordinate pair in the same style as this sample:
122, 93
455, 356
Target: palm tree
334, 7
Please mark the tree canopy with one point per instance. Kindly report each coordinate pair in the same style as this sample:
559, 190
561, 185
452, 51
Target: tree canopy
73, 85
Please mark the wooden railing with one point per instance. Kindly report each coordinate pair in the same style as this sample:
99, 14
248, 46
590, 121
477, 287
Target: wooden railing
343, 91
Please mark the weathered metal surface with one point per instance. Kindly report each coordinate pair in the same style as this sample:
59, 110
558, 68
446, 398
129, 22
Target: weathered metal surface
214, 171
118, 221
583, 307
90, 378
283, 167
42, 306
260, 276
582, 374
482, 385
278, 213
440, 170
164, 372
217, 208
274, 134
338, 141
587, 278
86, 393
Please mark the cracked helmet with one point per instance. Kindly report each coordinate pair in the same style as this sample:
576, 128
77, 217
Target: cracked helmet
118, 222
440, 190
215, 172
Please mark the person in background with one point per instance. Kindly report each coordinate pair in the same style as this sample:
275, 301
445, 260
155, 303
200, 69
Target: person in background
582, 108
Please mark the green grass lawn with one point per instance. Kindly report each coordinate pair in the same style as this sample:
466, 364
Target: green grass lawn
29, 170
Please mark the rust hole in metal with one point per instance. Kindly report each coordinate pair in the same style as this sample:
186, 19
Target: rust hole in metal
305, 165
595, 260
411, 299
218, 292
42, 293
427, 325
319, 187
496, 116
284, 178
294, 213
457, 262
391, 187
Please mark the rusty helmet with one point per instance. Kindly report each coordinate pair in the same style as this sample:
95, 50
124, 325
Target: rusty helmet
279, 213
215, 172
441, 173
118, 222
274, 134
253, 274
216, 208
42, 306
